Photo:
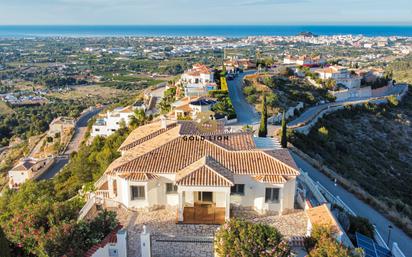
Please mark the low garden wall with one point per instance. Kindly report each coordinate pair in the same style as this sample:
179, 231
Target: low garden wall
164, 245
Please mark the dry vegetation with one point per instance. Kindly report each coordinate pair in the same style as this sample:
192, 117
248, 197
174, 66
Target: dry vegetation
371, 146
90, 91
5, 109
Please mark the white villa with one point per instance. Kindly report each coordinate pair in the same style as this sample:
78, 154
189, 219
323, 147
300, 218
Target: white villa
200, 170
26, 169
198, 80
191, 107
107, 125
341, 75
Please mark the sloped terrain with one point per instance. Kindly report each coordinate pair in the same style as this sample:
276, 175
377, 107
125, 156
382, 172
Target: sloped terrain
371, 146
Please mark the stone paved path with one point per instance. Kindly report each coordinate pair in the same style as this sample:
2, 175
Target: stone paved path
164, 222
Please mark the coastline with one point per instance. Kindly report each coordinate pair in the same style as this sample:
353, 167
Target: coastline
229, 31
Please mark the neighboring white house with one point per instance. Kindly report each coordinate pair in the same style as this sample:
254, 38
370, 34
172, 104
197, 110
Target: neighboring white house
201, 170
191, 107
107, 125
198, 80
113, 245
341, 75
241, 64
26, 169
305, 60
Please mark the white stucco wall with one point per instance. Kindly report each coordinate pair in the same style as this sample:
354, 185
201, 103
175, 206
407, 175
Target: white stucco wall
19, 177
120, 247
254, 196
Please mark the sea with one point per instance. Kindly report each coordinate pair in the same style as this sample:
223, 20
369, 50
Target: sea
201, 30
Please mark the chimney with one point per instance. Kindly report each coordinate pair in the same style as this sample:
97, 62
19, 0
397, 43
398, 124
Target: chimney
163, 122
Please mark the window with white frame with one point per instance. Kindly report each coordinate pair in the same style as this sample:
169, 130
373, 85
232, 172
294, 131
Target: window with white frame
272, 195
138, 192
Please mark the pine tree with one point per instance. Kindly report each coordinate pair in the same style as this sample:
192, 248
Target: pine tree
263, 129
284, 140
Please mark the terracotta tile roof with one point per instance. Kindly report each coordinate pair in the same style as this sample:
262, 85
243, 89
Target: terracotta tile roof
205, 172
271, 179
111, 238
201, 68
194, 128
284, 155
236, 141
25, 165
139, 176
322, 216
144, 133
185, 108
145, 147
179, 153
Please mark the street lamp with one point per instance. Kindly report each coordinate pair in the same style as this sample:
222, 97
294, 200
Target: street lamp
389, 234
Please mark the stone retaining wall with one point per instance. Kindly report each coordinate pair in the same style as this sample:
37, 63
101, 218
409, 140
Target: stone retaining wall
170, 246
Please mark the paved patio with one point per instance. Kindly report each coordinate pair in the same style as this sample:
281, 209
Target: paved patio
163, 221
292, 224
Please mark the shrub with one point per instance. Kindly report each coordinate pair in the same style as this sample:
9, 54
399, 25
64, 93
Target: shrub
218, 93
321, 243
323, 132
361, 225
272, 99
242, 238
393, 101
249, 90
74, 239
251, 99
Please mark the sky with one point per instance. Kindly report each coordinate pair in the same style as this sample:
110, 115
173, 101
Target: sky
206, 12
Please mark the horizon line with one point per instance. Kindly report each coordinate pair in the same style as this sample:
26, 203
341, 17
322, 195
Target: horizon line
217, 25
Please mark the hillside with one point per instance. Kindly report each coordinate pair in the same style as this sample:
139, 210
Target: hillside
5, 109
371, 146
401, 69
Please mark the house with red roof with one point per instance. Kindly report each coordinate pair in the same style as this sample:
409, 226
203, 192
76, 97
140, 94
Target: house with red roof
201, 170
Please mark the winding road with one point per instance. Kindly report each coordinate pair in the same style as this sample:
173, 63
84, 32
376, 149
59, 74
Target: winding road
313, 111
247, 115
79, 133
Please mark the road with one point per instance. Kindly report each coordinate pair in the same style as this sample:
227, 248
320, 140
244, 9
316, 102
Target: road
359, 207
312, 112
246, 114
80, 131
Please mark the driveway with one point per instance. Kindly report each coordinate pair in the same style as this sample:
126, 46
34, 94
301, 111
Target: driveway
246, 114
359, 207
